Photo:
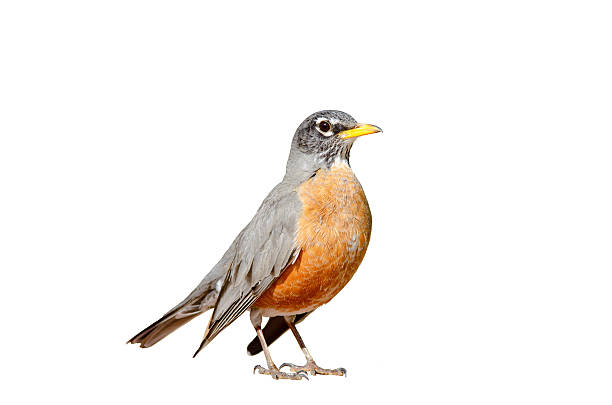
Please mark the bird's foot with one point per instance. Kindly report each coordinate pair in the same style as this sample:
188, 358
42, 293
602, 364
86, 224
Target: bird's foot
312, 368
279, 375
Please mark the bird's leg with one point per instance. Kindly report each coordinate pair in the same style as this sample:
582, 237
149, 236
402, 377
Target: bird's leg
272, 370
310, 365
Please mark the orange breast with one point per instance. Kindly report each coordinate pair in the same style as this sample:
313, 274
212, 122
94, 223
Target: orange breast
333, 233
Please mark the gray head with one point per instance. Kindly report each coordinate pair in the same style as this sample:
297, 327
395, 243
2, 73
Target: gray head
324, 138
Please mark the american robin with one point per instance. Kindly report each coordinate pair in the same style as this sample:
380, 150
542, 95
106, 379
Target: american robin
300, 249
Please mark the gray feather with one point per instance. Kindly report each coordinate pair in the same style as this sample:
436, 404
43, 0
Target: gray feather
264, 248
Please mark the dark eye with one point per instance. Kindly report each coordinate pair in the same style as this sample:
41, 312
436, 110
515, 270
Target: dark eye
324, 126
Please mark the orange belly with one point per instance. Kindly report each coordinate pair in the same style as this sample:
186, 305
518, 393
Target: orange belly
333, 234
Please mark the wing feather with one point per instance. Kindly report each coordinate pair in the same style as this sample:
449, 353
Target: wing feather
264, 248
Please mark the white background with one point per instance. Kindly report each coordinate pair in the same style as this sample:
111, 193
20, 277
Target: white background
138, 138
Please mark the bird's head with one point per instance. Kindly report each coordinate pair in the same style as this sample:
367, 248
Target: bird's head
325, 138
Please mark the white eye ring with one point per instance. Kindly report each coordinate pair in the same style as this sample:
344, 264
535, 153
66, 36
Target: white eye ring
325, 128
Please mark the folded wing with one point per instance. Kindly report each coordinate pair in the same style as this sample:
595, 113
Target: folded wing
264, 248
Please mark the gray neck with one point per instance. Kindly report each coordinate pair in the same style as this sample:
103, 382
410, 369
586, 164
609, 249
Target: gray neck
300, 167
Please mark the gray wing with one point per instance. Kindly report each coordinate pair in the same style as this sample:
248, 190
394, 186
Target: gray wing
264, 248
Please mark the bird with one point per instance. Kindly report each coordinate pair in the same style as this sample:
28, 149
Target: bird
301, 248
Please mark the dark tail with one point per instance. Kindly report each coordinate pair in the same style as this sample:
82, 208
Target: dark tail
198, 302
160, 329
275, 327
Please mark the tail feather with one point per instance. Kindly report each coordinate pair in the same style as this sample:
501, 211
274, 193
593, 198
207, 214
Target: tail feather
160, 329
198, 302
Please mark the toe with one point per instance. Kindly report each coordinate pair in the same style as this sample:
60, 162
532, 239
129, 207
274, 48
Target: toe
276, 374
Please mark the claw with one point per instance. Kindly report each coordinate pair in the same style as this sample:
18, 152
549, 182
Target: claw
290, 365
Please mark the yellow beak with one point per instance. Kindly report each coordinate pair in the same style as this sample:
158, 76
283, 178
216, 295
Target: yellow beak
360, 130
